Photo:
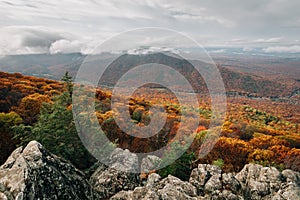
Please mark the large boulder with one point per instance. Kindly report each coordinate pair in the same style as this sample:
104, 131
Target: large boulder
150, 163
34, 173
201, 175
174, 188
260, 182
211, 183
157, 188
108, 181
290, 189
124, 160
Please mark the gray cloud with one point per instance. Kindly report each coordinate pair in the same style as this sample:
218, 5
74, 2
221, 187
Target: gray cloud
39, 38
23, 39
263, 23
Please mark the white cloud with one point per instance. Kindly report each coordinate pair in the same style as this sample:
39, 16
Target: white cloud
27, 40
283, 49
65, 46
35, 40
99, 19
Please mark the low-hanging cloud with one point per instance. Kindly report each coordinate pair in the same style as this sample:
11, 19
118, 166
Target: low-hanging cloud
65, 46
34, 40
283, 49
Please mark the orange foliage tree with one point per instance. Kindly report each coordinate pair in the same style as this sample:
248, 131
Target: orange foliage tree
29, 107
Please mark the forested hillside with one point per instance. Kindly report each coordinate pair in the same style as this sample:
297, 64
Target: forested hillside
40, 109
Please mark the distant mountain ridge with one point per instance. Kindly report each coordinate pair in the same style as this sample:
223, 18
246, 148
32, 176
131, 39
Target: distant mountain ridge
235, 81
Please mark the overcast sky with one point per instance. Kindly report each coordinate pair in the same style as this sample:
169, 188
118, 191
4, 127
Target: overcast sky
36, 26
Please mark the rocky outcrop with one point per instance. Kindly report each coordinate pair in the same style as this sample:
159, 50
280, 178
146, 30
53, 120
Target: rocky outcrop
155, 188
260, 182
212, 183
34, 173
208, 182
108, 181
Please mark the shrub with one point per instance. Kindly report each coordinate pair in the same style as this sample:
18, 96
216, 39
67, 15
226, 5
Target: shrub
219, 162
181, 167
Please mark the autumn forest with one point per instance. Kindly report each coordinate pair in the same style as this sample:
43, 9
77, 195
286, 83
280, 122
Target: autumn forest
254, 131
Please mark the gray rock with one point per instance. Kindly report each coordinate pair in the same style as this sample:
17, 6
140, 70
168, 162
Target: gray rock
151, 195
213, 185
123, 195
34, 173
3, 196
228, 195
291, 176
124, 160
140, 193
200, 176
260, 182
168, 188
224, 195
229, 182
149, 163
253, 182
175, 183
153, 180
168, 192
110, 180
290, 189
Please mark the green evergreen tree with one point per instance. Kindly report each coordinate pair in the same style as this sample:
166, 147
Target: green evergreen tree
55, 129
68, 82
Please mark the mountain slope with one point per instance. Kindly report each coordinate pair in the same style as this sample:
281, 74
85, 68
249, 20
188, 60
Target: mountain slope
235, 81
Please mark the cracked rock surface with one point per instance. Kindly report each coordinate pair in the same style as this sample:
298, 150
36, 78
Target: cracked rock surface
253, 182
34, 173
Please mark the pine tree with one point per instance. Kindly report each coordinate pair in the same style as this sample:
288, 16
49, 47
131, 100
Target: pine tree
68, 82
55, 129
